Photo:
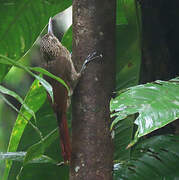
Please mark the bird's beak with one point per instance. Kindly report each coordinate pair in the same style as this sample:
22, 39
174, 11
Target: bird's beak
50, 31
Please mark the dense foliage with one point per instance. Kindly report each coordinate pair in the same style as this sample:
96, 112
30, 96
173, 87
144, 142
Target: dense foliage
33, 145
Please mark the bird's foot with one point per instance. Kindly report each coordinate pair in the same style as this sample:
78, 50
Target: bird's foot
90, 58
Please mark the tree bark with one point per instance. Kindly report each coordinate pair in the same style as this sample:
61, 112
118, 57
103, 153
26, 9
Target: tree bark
92, 148
155, 52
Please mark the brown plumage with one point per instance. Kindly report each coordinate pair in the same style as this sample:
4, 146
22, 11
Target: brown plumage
57, 60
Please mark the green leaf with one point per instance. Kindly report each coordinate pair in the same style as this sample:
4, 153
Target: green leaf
128, 47
34, 100
46, 123
120, 13
157, 104
13, 107
19, 156
13, 156
123, 136
175, 79
38, 149
16, 96
8, 102
43, 71
43, 171
22, 22
154, 158
45, 84
128, 61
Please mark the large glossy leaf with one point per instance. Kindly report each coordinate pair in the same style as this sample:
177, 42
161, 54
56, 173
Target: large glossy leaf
155, 158
157, 104
21, 23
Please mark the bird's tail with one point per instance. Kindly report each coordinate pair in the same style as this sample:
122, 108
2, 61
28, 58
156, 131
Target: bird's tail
64, 137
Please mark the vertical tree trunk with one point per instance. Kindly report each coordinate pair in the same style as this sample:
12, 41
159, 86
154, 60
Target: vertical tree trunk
93, 31
155, 52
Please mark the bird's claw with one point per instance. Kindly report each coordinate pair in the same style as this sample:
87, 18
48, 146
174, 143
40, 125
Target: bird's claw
89, 58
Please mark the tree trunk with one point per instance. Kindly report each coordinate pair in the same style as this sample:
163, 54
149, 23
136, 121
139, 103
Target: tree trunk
92, 148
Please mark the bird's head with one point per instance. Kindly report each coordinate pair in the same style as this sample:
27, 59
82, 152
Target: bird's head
50, 45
